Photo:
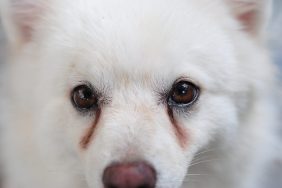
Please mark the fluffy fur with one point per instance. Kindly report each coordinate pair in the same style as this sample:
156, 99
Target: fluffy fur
133, 51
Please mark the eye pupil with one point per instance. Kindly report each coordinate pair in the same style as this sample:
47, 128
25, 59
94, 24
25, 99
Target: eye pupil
83, 98
85, 93
182, 89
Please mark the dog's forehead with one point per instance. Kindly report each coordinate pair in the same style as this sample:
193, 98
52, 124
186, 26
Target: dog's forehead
139, 39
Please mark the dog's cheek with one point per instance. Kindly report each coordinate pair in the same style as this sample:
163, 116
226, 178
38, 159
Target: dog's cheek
55, 140
215, 118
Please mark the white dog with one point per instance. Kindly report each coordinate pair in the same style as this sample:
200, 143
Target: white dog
136, 94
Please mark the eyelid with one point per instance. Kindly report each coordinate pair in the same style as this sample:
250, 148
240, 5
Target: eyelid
187, 79
96, 91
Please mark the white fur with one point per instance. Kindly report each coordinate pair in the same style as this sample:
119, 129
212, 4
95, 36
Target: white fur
133, 50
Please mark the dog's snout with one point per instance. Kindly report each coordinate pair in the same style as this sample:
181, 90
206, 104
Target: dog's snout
130, 175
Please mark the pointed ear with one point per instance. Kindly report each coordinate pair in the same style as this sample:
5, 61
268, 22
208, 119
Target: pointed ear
252, 14
19, 19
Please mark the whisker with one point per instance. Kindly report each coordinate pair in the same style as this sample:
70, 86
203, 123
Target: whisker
197, 174
206, 151
201, 162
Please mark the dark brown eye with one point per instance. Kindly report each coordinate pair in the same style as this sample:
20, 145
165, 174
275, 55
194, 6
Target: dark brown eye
84, 98
183, 93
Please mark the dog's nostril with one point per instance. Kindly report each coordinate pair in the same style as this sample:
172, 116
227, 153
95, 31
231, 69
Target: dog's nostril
129, 175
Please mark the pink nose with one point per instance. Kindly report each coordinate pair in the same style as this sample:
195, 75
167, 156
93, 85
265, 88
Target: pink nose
129, 175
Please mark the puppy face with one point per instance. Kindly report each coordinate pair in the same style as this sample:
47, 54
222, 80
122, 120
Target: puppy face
149, 82
133, 86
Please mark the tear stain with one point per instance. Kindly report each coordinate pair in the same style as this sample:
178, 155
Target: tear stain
88, 136
180, 133
249, 21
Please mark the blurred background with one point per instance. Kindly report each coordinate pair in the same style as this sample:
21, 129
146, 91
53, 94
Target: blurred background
275, 40
273, 176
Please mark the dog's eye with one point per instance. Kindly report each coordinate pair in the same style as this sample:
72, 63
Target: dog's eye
84, 98
183, 93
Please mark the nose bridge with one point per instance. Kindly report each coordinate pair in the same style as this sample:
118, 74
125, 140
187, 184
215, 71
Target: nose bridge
135, 103
131, 119
133, 93
137, 111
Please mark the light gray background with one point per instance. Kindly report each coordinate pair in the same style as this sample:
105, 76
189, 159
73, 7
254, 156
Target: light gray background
273, 177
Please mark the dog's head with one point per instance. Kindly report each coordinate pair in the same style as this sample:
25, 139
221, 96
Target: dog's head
126, 92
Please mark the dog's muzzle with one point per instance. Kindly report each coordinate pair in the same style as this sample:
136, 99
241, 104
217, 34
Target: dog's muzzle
129, 175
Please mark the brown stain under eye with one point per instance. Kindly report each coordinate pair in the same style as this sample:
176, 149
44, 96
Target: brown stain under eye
180, 133
86, 139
